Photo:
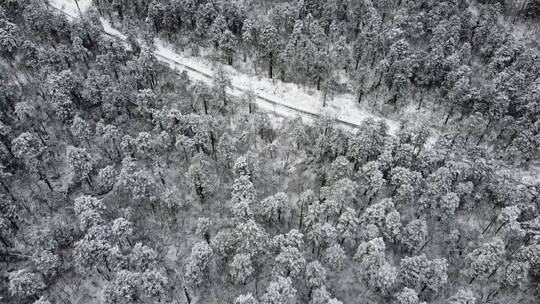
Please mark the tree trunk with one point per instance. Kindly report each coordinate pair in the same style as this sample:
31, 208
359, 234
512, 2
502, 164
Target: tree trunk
483, 133
424, 245
271, 65
500, 227
188, 298
512, 137
490, 224
301, 217
448, 116
48, 184
205, 106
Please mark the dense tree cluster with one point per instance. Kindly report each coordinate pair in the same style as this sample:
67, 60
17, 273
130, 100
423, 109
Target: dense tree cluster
475, 62
124, 182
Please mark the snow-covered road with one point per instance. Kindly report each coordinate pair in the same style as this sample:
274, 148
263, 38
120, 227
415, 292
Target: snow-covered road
282, 99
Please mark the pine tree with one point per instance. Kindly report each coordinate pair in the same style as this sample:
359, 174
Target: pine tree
122, 229
228, 45
197, 263
368, 142
289, 263
89, 210
47, 263
334, 257
384, 216
340, 168
243, 197
81, 130
142, 257
241, 268
9, 38
347, 226
106, 179
279, 291
42, 300
407, 296
337, 196
144, 187
81, 163
414, 235
217, 30
320, 296
515, 274
406, 183
371, 180
93, 251
154, 283
249, 35
25, 284
247, 165
292, 56
268, 45
28, 147
321, 236
122, 288
293, 238
246, 299
275, 207
315, 274
251, 238
485, 260
392, 226
462, 297
200, 177
373, 268
420, 273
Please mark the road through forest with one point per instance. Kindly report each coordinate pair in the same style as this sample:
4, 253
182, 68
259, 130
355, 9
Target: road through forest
347, 115
306, 106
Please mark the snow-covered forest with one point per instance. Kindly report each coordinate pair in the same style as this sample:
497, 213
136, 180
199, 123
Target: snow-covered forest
270, 152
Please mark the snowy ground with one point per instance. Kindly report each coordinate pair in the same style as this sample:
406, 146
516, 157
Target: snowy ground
70, 6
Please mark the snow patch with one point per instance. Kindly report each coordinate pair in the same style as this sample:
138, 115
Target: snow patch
70, 6
107, 27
